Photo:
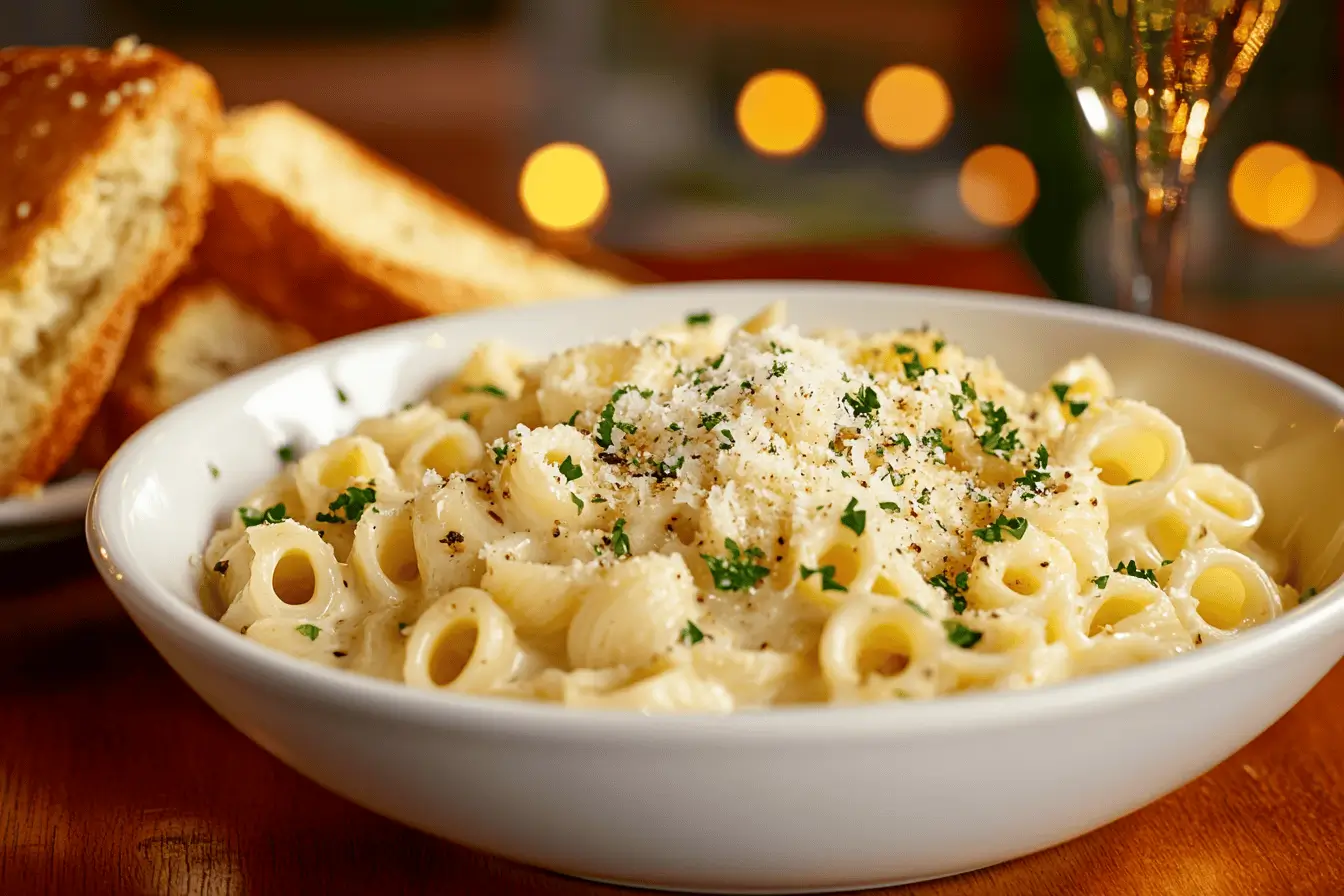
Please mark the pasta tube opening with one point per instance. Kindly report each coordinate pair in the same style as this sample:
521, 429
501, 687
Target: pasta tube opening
1129, 456
345, 467
885, 650
396, 551
451, 652
294, 580
1115, 610
1220, 597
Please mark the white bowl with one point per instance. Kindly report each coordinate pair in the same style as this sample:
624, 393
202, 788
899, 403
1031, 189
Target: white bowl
797, 799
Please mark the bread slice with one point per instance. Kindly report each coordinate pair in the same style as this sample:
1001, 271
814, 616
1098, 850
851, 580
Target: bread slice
104, 183
301, 211
197, 334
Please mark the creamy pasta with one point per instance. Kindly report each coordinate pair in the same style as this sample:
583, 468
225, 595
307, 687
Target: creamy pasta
713, 516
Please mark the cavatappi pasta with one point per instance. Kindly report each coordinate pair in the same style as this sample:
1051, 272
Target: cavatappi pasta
715, 516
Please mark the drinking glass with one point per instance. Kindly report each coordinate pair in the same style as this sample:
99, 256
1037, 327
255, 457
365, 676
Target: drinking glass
1152, 77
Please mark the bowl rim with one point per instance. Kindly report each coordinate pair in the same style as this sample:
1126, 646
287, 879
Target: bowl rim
142, 595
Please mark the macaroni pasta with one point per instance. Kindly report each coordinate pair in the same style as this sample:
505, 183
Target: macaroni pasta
713, 517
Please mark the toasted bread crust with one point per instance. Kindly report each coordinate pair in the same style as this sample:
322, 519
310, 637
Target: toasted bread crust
262, 243
147, 82
259, 244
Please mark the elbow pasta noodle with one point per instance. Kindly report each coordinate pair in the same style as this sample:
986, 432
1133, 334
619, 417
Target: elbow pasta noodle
715, 516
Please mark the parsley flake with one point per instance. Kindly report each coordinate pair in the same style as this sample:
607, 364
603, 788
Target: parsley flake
341, 396
779, 368
250, 517
699, 319
569, 469
1015, 526
853, 518
572, 417
578, 502
691, 634
500, 451
994, 440
739, 571
709, 421
916, 607
828, 582
960, 635
352, 502
489, 389
863, 403
214, 471
308, 630
903, 440
934, 439
955, 588
285, 453
620, 542
1100, 581
891, 506
1138, 572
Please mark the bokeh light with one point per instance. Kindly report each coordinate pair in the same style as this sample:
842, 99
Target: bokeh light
908, 107
780, 113
1324, 221
1272, 186
563, 187
998, 185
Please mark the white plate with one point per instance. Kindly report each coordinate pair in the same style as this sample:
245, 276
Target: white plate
55, 512
790, 799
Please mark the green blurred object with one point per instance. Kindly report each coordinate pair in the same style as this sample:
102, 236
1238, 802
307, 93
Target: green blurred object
1046, 127
309, 18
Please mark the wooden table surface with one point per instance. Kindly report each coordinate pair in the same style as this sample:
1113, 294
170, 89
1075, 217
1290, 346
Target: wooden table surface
115, 779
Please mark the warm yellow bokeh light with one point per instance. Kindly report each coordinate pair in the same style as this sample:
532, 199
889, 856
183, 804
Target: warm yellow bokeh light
1324, 221
1272, 186
908, 107
563, 187
780, 113
997, 185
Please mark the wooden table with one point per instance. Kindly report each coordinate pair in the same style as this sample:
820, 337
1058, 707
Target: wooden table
115, 779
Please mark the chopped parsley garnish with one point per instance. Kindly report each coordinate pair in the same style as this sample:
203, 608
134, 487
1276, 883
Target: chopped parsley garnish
717, 362
569, 469
916, 607
1100, 581
960, 635
691, 634
853, 518
221, 567
739, 571
914, 369
1032, 480
963, 398
607, 421
955, 588
285, 453
620, 542
351, 502
709, 421
250, 517
578, 502
779, 368
863, 403
214, 471
994, 440
939, 345
500, 451
572, 417
934, 439
341, 396
890, 506
709, 393
1138, 572
489, 389
699, 319
923, 497
1015, 526
903, 440
728, 440
828, 582
1042, 458
1061, 391
308, 630
662, 470
1308, 595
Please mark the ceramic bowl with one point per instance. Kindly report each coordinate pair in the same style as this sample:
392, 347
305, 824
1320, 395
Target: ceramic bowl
798, 799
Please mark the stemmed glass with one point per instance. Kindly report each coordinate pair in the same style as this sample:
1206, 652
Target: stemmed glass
1151, 78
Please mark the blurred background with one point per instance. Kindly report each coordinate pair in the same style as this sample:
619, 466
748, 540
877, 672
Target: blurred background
940, 128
